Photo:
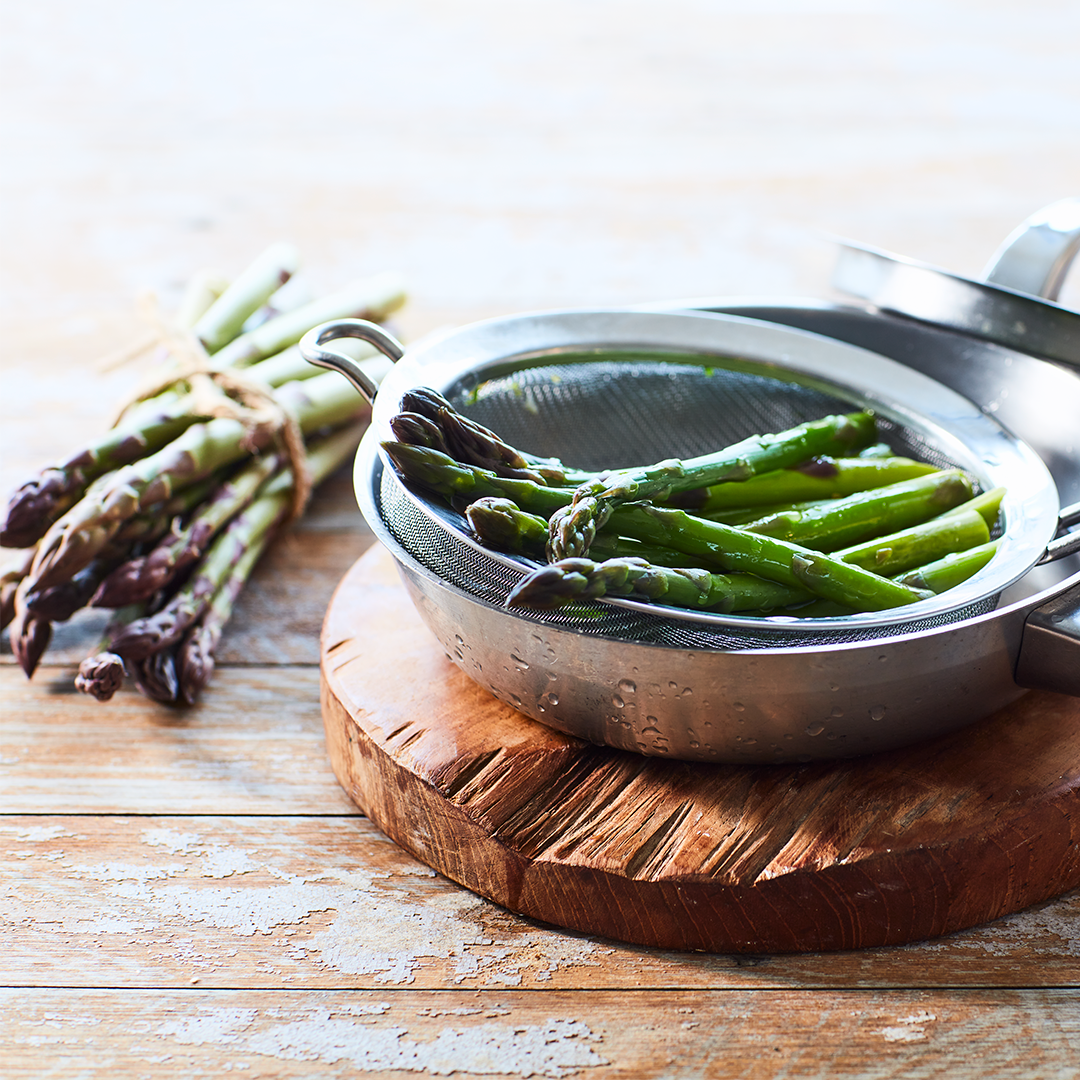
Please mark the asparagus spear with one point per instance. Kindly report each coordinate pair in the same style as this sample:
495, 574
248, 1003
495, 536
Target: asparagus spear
61, 601
141, 577
731, 549
187, 667
194, 659
501, 524
201, 450
29, 634
101, 675
573, 528
908, 548
951, 570
12, 573
156, 677
36, 504
195, 656
988, 504
166, 626
249, 530
452, 480
725, 547
746, 515
819, 478
204, 288
224, 318
859, 517
584, 579
414, 429
473, 444
371, 298
152, 424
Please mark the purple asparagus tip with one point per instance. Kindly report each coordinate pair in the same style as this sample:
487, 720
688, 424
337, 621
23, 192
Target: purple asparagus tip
29, 640
100, 676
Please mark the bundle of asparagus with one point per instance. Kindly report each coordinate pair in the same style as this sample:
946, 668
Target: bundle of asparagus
814, 521
163, 518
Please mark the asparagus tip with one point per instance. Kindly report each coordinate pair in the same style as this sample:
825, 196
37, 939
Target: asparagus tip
100, 675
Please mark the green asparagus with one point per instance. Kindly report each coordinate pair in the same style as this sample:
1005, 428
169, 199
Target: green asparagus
820, 478
441, 474
908, 548
371, 298
951, 570
860, 517
572, 529
201, 450
166, 626
238, 544
194, 660
244, 296
729, 549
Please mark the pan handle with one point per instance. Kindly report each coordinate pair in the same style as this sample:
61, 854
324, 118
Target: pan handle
311, 349
1049, 657
1067, 543
1035, 257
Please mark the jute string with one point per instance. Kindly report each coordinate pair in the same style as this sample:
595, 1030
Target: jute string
222, 392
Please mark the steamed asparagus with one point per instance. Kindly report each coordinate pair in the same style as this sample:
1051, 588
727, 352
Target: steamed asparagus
818, 478
473, 444
860, 517
573, 528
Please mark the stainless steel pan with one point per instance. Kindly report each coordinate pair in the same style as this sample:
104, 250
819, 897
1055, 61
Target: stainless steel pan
721, 689
1013, 303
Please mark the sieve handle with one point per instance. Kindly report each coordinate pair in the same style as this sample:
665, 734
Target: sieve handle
311, 349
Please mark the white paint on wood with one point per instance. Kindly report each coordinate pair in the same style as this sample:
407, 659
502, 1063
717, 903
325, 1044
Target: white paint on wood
1046, 928
558, 1048
346, 918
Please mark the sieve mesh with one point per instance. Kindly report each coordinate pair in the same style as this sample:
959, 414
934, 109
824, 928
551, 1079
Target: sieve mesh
625, 410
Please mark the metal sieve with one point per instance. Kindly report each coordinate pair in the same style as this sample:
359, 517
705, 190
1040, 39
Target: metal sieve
623, 387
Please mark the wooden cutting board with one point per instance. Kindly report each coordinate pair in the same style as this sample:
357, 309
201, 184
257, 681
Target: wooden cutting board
898, 847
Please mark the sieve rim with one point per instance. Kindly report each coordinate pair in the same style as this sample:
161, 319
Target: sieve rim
464, 358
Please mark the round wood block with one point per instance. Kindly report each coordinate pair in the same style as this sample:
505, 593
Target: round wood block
881, 850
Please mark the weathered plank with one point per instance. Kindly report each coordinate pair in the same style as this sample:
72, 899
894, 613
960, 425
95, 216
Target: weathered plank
280, 903
253, 744
513, 1035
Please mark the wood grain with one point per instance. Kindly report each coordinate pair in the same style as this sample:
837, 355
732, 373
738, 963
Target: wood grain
254, 744
512, 1035
881, 850
295, 902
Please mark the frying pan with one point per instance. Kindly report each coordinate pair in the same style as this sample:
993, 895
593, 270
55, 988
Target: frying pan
717, 688
1011, 305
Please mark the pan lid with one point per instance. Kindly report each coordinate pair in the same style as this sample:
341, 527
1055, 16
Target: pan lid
1013, 304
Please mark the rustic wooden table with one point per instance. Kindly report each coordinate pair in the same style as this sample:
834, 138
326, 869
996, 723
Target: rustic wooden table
191, 892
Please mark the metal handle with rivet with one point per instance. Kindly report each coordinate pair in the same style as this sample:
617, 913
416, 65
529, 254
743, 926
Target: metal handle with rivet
312, 350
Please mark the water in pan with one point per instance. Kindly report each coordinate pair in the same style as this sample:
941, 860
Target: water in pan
632, 411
